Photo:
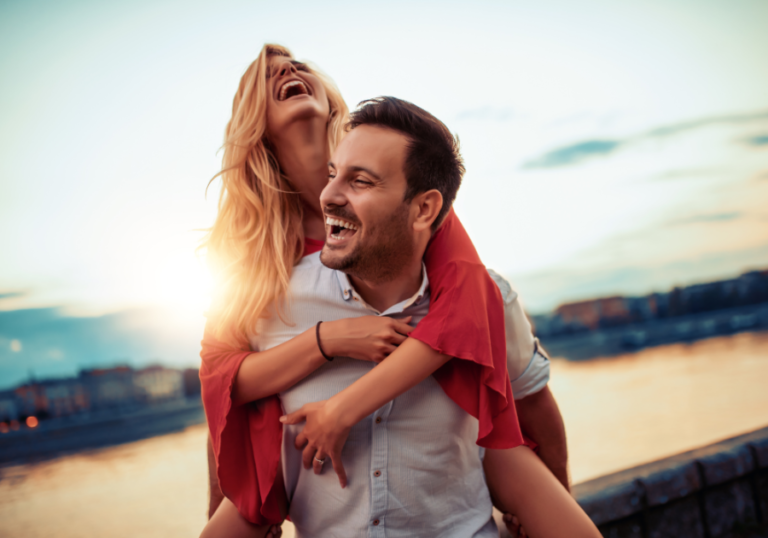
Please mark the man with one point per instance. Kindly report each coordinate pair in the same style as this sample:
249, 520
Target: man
379, 270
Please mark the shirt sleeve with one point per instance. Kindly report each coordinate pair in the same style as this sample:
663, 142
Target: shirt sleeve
246, 439
466, 322
533, 379
528, 368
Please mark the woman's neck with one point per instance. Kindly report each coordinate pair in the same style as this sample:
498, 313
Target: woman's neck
303, 153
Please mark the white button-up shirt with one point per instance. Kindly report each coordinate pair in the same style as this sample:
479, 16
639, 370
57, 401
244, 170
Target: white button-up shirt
413, 467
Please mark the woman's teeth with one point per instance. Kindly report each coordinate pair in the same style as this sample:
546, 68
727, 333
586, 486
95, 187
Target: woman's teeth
295, 87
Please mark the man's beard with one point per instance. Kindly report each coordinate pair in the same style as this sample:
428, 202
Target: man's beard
387, 248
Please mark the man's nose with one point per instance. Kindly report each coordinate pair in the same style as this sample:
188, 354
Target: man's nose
333, 194
285, 68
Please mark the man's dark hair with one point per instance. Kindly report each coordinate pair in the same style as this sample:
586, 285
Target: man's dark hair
432, 159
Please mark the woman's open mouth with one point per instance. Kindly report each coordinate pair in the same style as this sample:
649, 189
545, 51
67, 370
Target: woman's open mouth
340, 229
292, 89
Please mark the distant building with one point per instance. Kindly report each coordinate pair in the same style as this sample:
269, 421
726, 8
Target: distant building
748, 289
192, 382
595, 313
157, 384
65, 397
109, 387
8, 409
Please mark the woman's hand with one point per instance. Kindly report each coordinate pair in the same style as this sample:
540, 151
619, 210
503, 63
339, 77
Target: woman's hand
368, 338
514, 528
323, 436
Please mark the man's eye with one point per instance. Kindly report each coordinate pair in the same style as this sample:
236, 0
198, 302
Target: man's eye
331, 176
364, 182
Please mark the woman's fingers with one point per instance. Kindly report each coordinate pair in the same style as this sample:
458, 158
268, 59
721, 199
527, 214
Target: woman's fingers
318, 460
397, 338
307, 455
401, 325
339, 468
295, 417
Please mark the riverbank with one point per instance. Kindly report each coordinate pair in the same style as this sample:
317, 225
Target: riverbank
615, 341
72, 434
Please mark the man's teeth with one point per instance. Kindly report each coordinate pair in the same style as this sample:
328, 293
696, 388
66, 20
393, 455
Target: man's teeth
336, 222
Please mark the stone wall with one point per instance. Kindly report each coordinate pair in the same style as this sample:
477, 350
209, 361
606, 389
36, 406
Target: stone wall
712, 492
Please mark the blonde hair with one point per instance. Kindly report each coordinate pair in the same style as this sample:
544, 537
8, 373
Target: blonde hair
257, 237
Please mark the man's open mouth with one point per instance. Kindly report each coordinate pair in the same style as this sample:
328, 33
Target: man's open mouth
292, 89
340, 229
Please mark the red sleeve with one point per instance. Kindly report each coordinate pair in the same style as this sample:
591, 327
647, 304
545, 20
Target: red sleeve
246, 439
466, 321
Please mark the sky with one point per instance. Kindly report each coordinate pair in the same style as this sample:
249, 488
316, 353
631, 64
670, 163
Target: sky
610, 148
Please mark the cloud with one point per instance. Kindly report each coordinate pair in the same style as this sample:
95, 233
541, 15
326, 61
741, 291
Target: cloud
712, 217
760, 140
11, 294
578, 152
574, 153
729, 119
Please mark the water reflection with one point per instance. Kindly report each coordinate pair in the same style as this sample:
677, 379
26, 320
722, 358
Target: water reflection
636, 408
619, 412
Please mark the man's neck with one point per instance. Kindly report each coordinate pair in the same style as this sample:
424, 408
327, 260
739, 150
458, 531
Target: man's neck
383, 295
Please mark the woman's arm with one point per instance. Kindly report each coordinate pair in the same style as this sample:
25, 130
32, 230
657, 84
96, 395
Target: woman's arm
269, 372
328, 423
521, 484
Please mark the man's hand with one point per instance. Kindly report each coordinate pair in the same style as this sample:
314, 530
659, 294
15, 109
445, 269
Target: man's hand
323, 436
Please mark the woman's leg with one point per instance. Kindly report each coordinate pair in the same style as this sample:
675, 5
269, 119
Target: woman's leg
521, 484
228, 523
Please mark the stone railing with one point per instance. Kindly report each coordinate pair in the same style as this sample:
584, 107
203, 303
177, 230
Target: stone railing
717, 491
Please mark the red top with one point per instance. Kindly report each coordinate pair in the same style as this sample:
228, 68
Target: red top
465, 321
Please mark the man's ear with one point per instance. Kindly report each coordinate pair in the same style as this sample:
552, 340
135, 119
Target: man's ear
427, 206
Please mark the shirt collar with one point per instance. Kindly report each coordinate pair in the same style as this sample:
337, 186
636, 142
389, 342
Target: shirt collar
350, 294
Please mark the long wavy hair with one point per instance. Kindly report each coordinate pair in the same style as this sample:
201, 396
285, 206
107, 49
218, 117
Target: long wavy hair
257, 237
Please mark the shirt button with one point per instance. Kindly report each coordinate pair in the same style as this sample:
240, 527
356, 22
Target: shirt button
378, 420
377, 473
375, 521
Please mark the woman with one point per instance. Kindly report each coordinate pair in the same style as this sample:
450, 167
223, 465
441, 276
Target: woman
286, 119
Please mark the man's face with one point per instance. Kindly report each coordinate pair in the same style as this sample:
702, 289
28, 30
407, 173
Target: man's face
368, 225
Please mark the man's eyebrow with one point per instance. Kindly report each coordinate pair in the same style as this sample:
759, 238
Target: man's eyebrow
366, 170
358, 169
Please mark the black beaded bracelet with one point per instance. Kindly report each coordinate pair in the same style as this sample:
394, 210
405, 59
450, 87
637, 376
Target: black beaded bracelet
320, 347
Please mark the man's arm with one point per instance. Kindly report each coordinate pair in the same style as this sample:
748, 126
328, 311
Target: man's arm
215, 496
541, 421
528, 367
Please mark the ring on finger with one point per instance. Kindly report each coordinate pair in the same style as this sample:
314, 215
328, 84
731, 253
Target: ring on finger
318, 460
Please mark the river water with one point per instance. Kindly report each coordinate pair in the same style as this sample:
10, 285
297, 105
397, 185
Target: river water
619, 412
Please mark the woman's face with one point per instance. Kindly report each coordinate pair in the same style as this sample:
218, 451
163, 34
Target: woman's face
294, 94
